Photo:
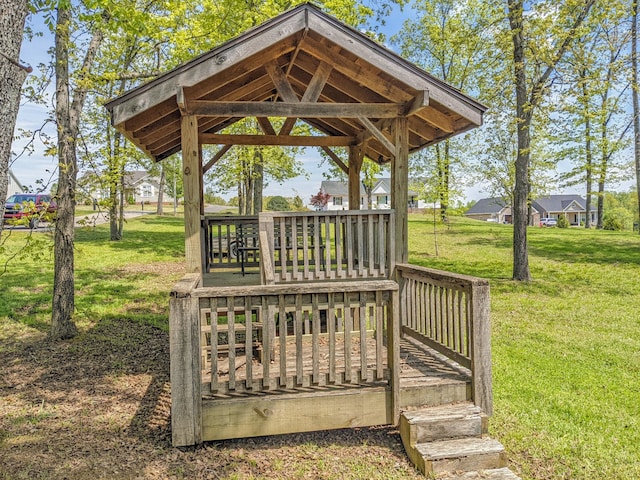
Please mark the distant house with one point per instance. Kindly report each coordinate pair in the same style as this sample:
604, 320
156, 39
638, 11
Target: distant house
571, 207
140, 187
14, 185
380, 195
491, 210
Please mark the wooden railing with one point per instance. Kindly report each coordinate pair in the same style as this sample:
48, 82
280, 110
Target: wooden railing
330, 245
450, 313
303, 246
223, 241
230, 340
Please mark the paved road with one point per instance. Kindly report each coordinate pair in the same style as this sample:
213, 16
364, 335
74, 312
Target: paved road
97, 218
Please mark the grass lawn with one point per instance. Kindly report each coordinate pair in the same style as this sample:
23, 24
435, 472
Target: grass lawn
566, 361
566, 346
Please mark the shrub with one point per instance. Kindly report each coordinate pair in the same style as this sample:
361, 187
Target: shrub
562, 222
278, 204
617, 219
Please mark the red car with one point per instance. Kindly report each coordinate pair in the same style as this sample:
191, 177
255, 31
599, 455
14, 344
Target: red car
31, 206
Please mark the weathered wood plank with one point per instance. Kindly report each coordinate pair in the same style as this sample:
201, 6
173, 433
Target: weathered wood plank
299, 412
289, 108
482, 383
277, 140
192, 178
185, 371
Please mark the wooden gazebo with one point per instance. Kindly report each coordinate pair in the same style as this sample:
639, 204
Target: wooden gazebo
311, 321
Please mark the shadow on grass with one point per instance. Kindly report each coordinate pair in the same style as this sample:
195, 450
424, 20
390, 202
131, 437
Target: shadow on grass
105, 399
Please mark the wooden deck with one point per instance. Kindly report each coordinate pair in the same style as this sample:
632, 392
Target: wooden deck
426, 378
420, 367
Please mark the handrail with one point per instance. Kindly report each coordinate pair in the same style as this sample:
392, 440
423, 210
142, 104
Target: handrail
450, 313
335, 245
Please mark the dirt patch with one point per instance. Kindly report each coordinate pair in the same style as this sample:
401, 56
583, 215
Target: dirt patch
98, 407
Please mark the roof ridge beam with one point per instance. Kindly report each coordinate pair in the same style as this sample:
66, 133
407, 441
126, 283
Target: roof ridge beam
277, 140
207, 108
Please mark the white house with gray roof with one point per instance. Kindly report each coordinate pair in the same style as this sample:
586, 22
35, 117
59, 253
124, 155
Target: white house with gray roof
571, 207
380, 195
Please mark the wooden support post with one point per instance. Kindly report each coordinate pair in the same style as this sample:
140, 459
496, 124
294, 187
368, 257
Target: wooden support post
393, 342
184, 351
399, 188
482, 383
192, 175
355, 164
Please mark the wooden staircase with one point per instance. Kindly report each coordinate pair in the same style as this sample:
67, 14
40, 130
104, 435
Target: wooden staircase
451, 442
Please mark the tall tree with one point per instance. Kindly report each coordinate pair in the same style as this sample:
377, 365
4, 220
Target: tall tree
448, 38
12, 75
69, 102
636, 106
530, 85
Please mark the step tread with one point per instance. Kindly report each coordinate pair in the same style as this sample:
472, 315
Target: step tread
462, 447
492, 474
439, 412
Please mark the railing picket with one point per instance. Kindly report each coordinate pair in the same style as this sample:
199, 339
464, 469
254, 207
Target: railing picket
348, 328
382, 253
329, 272
283, 249
379, 336
282, 334
268, 334
316, 246
360, 243
331, 330
315, 339
213, 307
231, 341
363, 336
339, 222
298, 333
373, 271
351, 270
248, 320
294, 249
305, 247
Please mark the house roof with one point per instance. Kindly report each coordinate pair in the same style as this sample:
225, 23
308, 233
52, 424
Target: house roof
559, 203
302, 64
341, 189
487, 206
335, 188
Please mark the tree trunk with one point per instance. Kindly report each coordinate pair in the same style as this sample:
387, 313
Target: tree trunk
636, 107
12, 76
62, 325
258, 185
68, 118
523, 117
115, 233
588, 153
160, 209
444, 167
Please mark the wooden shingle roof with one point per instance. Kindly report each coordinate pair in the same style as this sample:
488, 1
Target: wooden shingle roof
306, 65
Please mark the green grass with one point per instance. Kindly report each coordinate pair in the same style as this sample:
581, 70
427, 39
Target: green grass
129, 278
566, 346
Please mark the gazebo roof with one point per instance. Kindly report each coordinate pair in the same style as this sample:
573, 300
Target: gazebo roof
306, 65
